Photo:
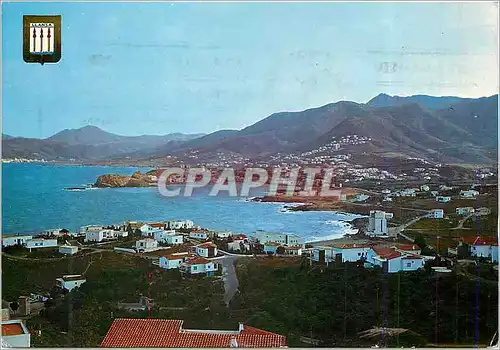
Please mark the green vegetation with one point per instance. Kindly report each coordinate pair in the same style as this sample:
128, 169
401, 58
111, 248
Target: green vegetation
434, 224
84, 315
338, 303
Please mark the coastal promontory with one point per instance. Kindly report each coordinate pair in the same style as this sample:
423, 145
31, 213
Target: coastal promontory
138, 179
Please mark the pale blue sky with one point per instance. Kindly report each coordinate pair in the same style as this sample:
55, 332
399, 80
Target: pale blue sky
156, 68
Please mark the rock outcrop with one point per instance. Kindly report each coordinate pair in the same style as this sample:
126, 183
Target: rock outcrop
136, 180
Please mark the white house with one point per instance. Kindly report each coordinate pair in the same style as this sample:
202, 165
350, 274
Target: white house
293, 250
283, 238
443, 199
103, 234
351, 252
361, 197
323, 254
408, 192
146, 244
11, 240
168, 237
386, 191
377, 223
482, 246
173, 261
198, 234
149, 229
40, 243
85, 229
198, 265
271, 247
15, 334
69, 282
436, 213
223, 234
206, 250
424, 188
68, 249
469, 194
393, 261
237, 241
445, 188
464, 210
178, 224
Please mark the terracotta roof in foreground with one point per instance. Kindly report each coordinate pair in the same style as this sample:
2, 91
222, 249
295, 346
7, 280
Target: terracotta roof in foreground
126, 333
386, 253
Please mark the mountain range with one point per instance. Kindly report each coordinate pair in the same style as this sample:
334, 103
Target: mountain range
446, 129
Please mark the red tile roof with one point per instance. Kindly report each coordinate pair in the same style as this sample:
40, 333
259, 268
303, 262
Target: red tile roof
157, 225
484, 240
386, 253
128, 333
12, 329
239, 237
408, 247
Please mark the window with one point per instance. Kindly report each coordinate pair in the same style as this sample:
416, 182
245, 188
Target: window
195, 268
359, 254
408, 264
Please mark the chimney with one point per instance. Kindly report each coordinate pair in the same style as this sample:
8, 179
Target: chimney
234, 343
240, 327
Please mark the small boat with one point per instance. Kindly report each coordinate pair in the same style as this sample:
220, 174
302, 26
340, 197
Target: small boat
80, 188
75, 188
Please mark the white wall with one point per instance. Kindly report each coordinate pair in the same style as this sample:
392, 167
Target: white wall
170, 263
41, 243
13, 240
481, 250
353, 254
198, 235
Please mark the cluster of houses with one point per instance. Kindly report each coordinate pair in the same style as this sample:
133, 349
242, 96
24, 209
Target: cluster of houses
412, 192
391, 258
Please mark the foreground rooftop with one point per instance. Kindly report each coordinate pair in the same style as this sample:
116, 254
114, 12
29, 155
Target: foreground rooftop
126, 332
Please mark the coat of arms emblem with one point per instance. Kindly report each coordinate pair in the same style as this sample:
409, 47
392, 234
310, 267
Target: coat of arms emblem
42, 39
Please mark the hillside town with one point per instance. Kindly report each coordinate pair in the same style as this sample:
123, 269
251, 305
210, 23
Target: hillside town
191, 250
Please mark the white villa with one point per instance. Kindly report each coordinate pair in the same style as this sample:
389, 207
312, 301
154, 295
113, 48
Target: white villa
283, 238
481, 247
469, 194
173, 261
199, 234
69, 282
11, 240
198, 265
443, 199
464, 210
178, 224
145, 245
206, 250
99, 235
40, 243
168, 236
436, 213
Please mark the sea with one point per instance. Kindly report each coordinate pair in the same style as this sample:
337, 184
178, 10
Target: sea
34, 199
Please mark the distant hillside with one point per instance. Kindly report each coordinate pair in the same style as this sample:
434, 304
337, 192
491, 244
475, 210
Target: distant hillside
430, 102
87, 143
464, 131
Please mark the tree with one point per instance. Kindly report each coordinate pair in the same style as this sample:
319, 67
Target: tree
280, 250
420, 241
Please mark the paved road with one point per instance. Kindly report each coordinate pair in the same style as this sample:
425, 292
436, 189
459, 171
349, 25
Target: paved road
393, 231
229, 277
